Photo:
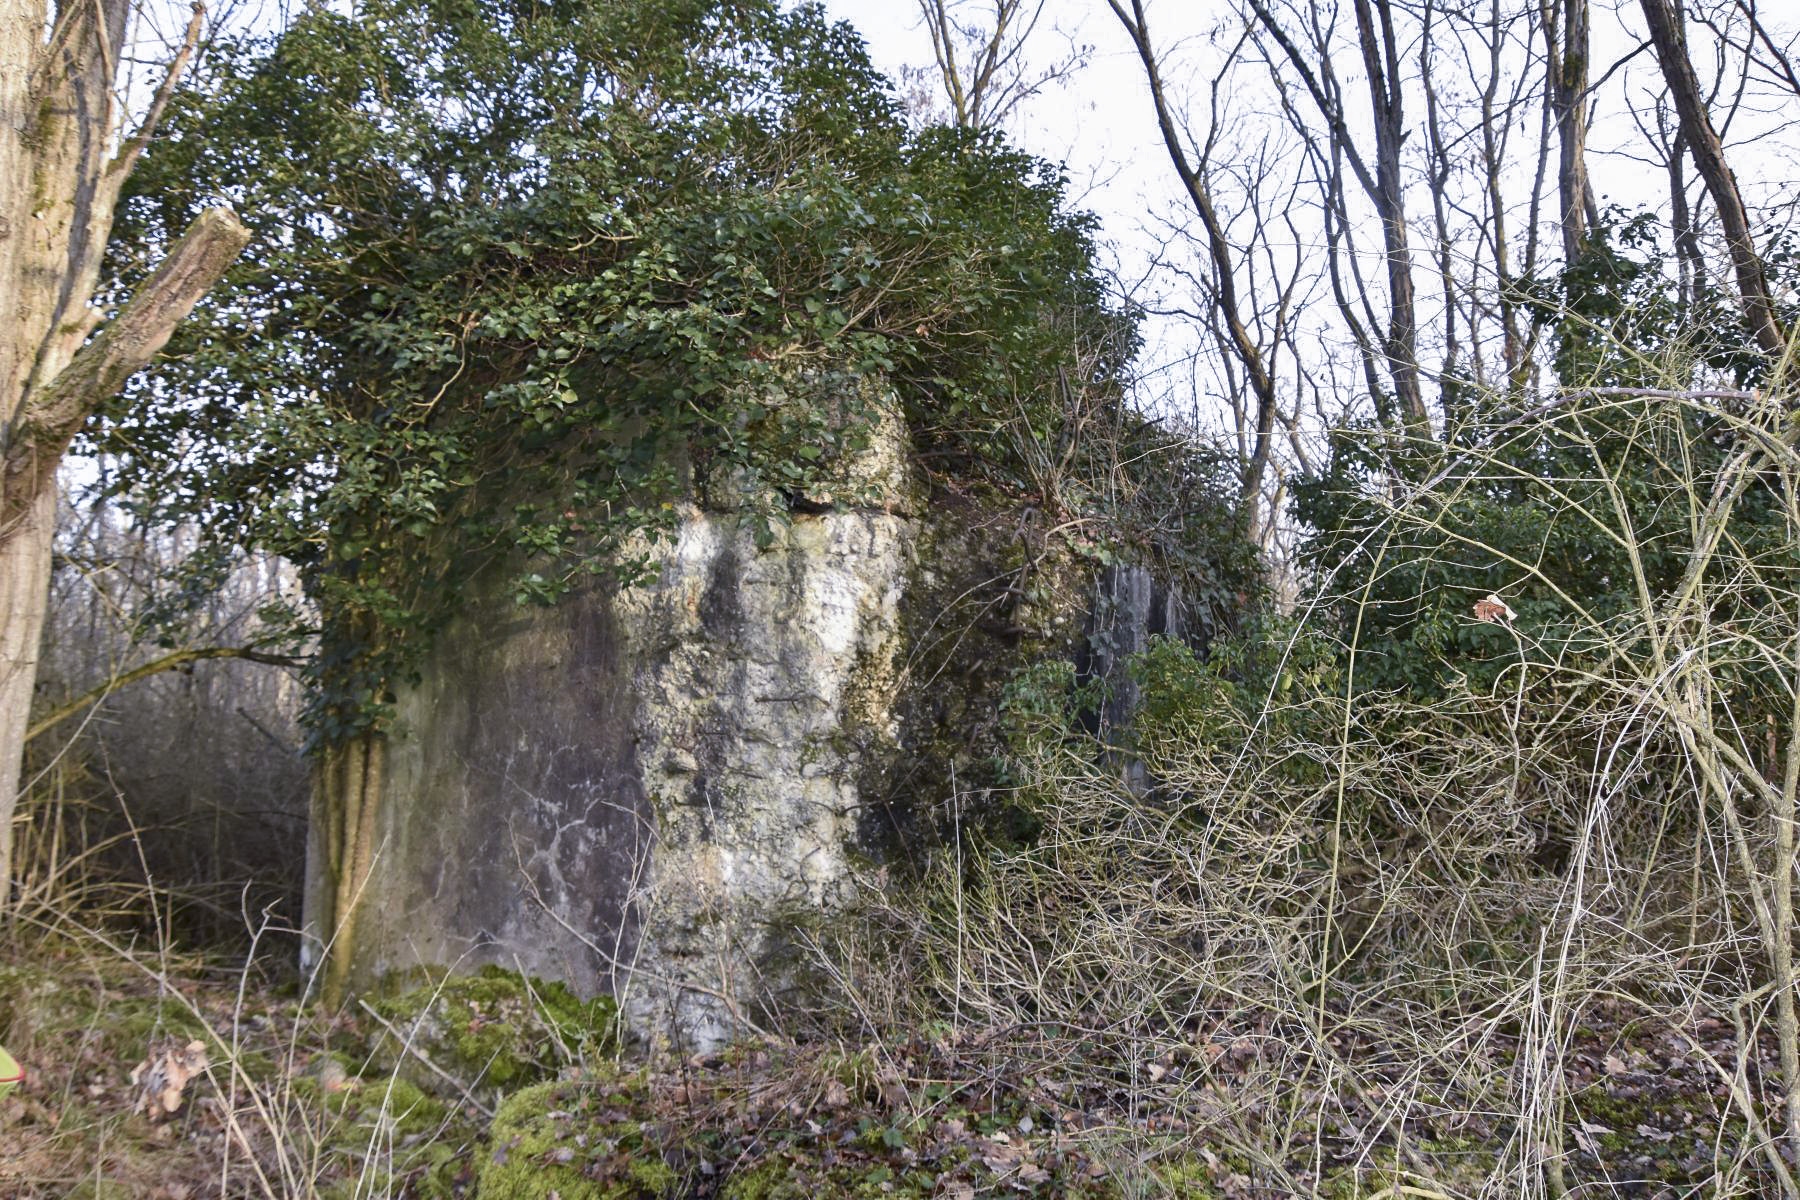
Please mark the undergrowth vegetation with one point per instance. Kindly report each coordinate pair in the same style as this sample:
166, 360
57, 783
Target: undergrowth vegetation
1523, 928
1490, 845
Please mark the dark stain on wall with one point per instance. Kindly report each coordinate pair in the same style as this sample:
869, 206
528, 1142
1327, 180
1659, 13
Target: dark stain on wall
536, 822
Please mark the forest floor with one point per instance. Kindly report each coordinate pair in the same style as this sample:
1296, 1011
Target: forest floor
172, 1078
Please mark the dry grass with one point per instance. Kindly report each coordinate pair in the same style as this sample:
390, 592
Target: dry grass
1534, 940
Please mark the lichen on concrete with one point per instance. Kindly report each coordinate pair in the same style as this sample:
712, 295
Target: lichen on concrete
752, 727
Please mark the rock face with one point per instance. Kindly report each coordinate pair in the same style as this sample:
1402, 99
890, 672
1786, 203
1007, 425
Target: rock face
627, 791
1131, 606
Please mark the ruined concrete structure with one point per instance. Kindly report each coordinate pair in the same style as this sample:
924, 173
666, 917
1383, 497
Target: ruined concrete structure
636, 790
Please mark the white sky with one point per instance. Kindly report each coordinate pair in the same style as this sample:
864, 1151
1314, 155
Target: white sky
1101, 126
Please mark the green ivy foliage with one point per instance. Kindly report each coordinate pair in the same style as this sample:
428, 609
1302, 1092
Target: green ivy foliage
524, 273
1557, 517
1616, 316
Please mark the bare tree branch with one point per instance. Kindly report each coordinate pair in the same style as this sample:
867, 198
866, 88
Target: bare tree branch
54, 414
1670, 41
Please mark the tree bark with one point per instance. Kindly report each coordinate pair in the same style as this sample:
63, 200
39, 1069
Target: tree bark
1382, 184
348, 785
63, 160
24, 595
53, 414
994, 81
173, 661
1566, 63
1670, 42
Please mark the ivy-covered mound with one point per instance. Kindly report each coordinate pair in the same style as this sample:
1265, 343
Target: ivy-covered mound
522, 271
525, 275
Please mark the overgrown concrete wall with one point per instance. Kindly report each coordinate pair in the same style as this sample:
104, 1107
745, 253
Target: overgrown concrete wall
627, 791
639, 790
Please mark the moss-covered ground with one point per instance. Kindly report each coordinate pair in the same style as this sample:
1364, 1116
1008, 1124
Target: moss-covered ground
293, 1102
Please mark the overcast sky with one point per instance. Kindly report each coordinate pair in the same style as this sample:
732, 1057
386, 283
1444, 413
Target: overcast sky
1101, 126
1098, 124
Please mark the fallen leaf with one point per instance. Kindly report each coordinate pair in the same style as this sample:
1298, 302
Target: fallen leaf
1584, 1137
162, 1078
1494, 610
333, 1077
889, 1086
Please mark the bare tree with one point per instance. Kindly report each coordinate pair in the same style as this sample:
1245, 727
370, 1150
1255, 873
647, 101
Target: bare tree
1382, 182
1253, 358
1669, 39
981, 61
64, 156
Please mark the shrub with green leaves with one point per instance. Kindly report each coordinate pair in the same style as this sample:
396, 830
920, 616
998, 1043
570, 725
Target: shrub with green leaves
525, 275
1528, 493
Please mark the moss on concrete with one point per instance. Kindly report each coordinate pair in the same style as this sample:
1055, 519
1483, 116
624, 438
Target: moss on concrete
494, 1030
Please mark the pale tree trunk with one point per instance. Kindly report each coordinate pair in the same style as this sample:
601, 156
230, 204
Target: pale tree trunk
24, 595
1566, 59
996, 77
63, 160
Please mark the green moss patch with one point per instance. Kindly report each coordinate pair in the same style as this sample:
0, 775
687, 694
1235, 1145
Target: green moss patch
494, 1031
579, 1141
810, 1123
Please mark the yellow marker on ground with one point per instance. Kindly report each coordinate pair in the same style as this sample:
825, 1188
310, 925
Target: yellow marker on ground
10, 1072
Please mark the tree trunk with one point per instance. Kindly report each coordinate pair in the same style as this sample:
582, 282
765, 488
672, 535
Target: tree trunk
1702, 140
1566, 61
1381, 62
1257, 441
24, 595
62, 163
347, 790
1382, 184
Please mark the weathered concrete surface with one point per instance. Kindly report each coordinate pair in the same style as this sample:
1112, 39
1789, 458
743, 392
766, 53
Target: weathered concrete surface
768, 678
1130, 606
515, 811
627, 791
639, 790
